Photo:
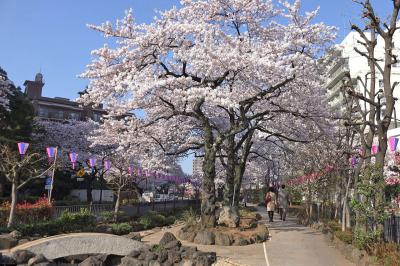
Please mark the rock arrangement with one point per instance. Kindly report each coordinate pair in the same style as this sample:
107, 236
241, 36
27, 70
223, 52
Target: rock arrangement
223, 236
168, 252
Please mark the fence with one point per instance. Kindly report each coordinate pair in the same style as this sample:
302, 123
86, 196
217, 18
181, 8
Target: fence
134, 210
392, 229
93, 208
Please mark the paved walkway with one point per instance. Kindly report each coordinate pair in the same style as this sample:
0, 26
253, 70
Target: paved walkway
293, 244
290, 245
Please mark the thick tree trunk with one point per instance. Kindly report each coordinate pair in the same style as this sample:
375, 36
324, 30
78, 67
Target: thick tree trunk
208, 188
14, 198
230, 172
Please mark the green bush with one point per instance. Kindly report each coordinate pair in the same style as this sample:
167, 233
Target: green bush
67, 223
121, 228
346, 237
153, 219
189, 216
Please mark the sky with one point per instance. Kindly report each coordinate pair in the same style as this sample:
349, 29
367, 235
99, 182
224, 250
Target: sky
51, 37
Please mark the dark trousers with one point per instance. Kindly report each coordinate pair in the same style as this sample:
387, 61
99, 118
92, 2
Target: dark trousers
282, 212
271, 216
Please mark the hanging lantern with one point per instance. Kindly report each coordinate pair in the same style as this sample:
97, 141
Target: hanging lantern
73, 157
107, 165
139, 172
353, 161
51, 152
22, 147
374, 149
92, 162
361, 152
393, 143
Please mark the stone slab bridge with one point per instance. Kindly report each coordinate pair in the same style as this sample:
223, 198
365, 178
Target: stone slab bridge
59, 246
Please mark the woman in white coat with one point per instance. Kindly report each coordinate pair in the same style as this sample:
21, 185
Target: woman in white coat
270, 203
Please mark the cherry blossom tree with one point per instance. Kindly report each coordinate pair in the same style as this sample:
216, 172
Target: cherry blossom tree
5, 90
196, 65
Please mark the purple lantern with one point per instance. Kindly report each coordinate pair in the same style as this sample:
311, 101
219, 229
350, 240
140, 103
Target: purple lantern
374, 149
139, 171
130, 168
51, 152
22, 147
107, 165
73, 157
393, 143
353, 161
92, 162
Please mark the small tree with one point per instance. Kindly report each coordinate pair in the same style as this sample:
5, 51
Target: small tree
19, 172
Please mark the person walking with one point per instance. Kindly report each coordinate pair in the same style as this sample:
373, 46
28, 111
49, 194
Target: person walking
283, 201
270, 203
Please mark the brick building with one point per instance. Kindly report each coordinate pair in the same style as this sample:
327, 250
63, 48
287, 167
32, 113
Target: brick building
58, 108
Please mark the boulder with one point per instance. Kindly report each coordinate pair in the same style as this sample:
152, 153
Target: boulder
204, 237
22, 256
7, 242
222, 239
206, 259
6, 260
176, 244
187, 252
15, 234
98, 260
229, 216
129, 261
23, 241
167, 237
186, 235
134, 253
154, 263
174, 256
258, 217
356, 255
240, 241
40, 258
162, 256
133, 236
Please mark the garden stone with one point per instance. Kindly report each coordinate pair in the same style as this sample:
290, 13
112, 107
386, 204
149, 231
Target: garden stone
134, 253
37, 259
129, 261
168, 263
154, 263
151, 256
205, 238
133, 236
187, 252
22, 256
98, 260
258, 217
229, 216
174, 256
142, 256
15, 234
356, 255
240, 241
173, 244
188, 263
222, 239
166, 238
188, 236
6, 260
162, 256
206, 259
7, 242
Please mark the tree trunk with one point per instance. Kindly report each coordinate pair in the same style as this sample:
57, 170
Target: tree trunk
208, 188
117, 203
230, 172
14, 198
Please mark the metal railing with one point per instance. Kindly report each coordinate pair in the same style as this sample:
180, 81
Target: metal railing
391, 231
92, 208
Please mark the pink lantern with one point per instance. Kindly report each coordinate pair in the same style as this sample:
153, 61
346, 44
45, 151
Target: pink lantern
92, 162
139, 171
353, 161
393, 143
374, 149
107, 165
22, 147
361, 152
51, 152
73, 157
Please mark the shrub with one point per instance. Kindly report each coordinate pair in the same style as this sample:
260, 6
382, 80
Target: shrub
77, 221
153, 219
108, 216
346, 237
121, 228
26, 212
189, 216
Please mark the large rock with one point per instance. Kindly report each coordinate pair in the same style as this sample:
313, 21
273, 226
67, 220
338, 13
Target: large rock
206, 259
15, 234
7, 241
229, 216
98, 260
6, 260
167, 237
204, 237
129, 261
222, 239
22, 256
40, 258
186, 235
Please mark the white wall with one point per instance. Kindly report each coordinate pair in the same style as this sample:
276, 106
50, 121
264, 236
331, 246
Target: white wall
107, 195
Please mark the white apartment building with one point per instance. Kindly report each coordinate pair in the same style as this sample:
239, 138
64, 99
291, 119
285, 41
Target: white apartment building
349, 61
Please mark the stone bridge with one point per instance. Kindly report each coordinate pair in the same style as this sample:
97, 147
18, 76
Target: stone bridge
80, 243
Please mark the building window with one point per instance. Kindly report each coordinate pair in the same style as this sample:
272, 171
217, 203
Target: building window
96, 117
74, 116
60, 114
43, 112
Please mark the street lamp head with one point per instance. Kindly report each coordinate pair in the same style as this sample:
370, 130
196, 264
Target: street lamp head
22, 147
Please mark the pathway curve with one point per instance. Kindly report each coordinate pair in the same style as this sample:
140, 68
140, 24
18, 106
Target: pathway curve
294, 244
